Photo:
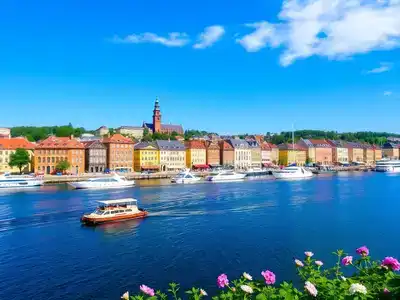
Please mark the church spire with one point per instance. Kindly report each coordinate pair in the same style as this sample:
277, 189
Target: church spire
156, 116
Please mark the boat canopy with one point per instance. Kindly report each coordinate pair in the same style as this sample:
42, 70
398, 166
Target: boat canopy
127, 201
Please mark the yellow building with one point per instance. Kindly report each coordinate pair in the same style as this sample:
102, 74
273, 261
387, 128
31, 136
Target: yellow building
196, 154
8, 147
146, 157
377, 153
290, 154
368, 154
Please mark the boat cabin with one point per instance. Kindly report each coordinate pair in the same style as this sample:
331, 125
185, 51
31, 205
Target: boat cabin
112, 207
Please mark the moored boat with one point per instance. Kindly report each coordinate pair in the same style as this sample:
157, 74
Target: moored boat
292, 173
113, 211
185, 177
388, 165
226, 175
23, 181
110, 182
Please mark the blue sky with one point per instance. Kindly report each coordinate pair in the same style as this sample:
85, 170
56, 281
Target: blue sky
224, 66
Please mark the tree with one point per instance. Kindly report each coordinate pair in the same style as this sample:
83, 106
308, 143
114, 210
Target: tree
20, 158
63, 165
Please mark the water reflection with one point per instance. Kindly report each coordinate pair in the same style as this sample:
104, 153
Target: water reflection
116, 228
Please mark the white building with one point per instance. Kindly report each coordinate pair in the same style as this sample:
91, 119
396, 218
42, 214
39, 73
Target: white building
5, 132
172, 155
242, 154
133, 131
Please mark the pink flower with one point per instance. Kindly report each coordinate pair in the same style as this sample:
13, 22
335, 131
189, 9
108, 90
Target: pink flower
309, 254
311, 289
363, 251
391, 263
269, 277
319, 263
222, 280
298, 263
148, 291
347, 260
386, 291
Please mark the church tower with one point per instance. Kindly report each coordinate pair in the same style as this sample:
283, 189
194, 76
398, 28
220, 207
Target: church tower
156, 117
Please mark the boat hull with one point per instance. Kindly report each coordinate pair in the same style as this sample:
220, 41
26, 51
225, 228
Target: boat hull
26, 184
88, 220
226, 179
86, 185
185, 181
279, 175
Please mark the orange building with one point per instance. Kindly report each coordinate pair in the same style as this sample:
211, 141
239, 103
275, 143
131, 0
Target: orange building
119, 152
52, 150
213, 154
8, 147
227, 154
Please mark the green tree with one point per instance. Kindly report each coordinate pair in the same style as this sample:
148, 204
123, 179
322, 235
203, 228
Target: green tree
63, 165
20, 158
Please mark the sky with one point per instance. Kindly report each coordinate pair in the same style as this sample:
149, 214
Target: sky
225, 66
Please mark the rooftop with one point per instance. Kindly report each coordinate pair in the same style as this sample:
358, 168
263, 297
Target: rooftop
288, 146
144, 145
170, 145
195, 144
15, 143
117, 139
60, 142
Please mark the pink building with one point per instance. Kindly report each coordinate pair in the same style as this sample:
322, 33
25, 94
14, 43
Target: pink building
319, 151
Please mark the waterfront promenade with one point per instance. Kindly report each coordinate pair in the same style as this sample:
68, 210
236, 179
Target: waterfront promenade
193, 234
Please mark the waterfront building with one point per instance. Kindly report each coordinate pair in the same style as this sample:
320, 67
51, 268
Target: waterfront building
292, 154
5, 132
95, 156
213, 154
7, 147
255, 153
227, 154
377, 152
133, 131
319, 151
119, 153
53, 150
242, 153
269, 154
196, 154
368, 154
172, 155
356, 152
147, 157
86, 137
157, 126
390, 150
340, 153
102, 131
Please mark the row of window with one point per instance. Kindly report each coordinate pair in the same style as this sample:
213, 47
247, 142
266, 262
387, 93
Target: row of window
171, 152
173, 158
149, 158
52, 151
126, 146
96, 160
97, 152
51, 159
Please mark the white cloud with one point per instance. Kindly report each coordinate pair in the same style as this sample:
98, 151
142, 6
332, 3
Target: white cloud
387, 93
209, 36
335, 29
384, 67
174, 39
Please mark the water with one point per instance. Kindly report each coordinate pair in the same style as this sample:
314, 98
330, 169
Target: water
195, 233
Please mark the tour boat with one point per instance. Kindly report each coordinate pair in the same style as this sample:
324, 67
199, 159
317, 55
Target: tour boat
9, 181
388, 165
185, 177
254, 172
226, 175
292, 173
115, 181
113, 211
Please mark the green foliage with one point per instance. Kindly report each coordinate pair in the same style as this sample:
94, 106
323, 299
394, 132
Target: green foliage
193, 133
20, 158
370, 280
40, 133
63, 165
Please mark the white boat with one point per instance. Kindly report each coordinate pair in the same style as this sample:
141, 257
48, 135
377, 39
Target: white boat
225, 176
185, 177
388, 165
111, 182
9, 181
253, 172
292, 173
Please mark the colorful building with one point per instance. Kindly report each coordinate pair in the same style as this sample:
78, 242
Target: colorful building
227, 153
147, 157
368, 154
319, 151
266, 154
242, 154
95, 156
213, 156
119, 153
390, 150
255, 153
53, 150
196, 154
377, 153
292, 154
356, 152
340, 153
8, 147
172, 155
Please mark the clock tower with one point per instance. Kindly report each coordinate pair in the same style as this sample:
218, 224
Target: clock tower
156, 117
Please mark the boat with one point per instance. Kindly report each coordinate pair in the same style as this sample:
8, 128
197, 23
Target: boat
292, 173
226, 175
253, 172
114, 181
114, 211
22, 181
185, 177
388, 165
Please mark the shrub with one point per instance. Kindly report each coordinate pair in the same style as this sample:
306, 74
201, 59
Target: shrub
370, 280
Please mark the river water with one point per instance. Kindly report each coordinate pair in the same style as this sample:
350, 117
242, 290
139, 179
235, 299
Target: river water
194, 233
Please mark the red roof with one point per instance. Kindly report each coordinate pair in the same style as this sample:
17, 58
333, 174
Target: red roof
195, 145
268, 146
212, 145
14, 143
60, 142
226, 145
118, 139
320, 142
